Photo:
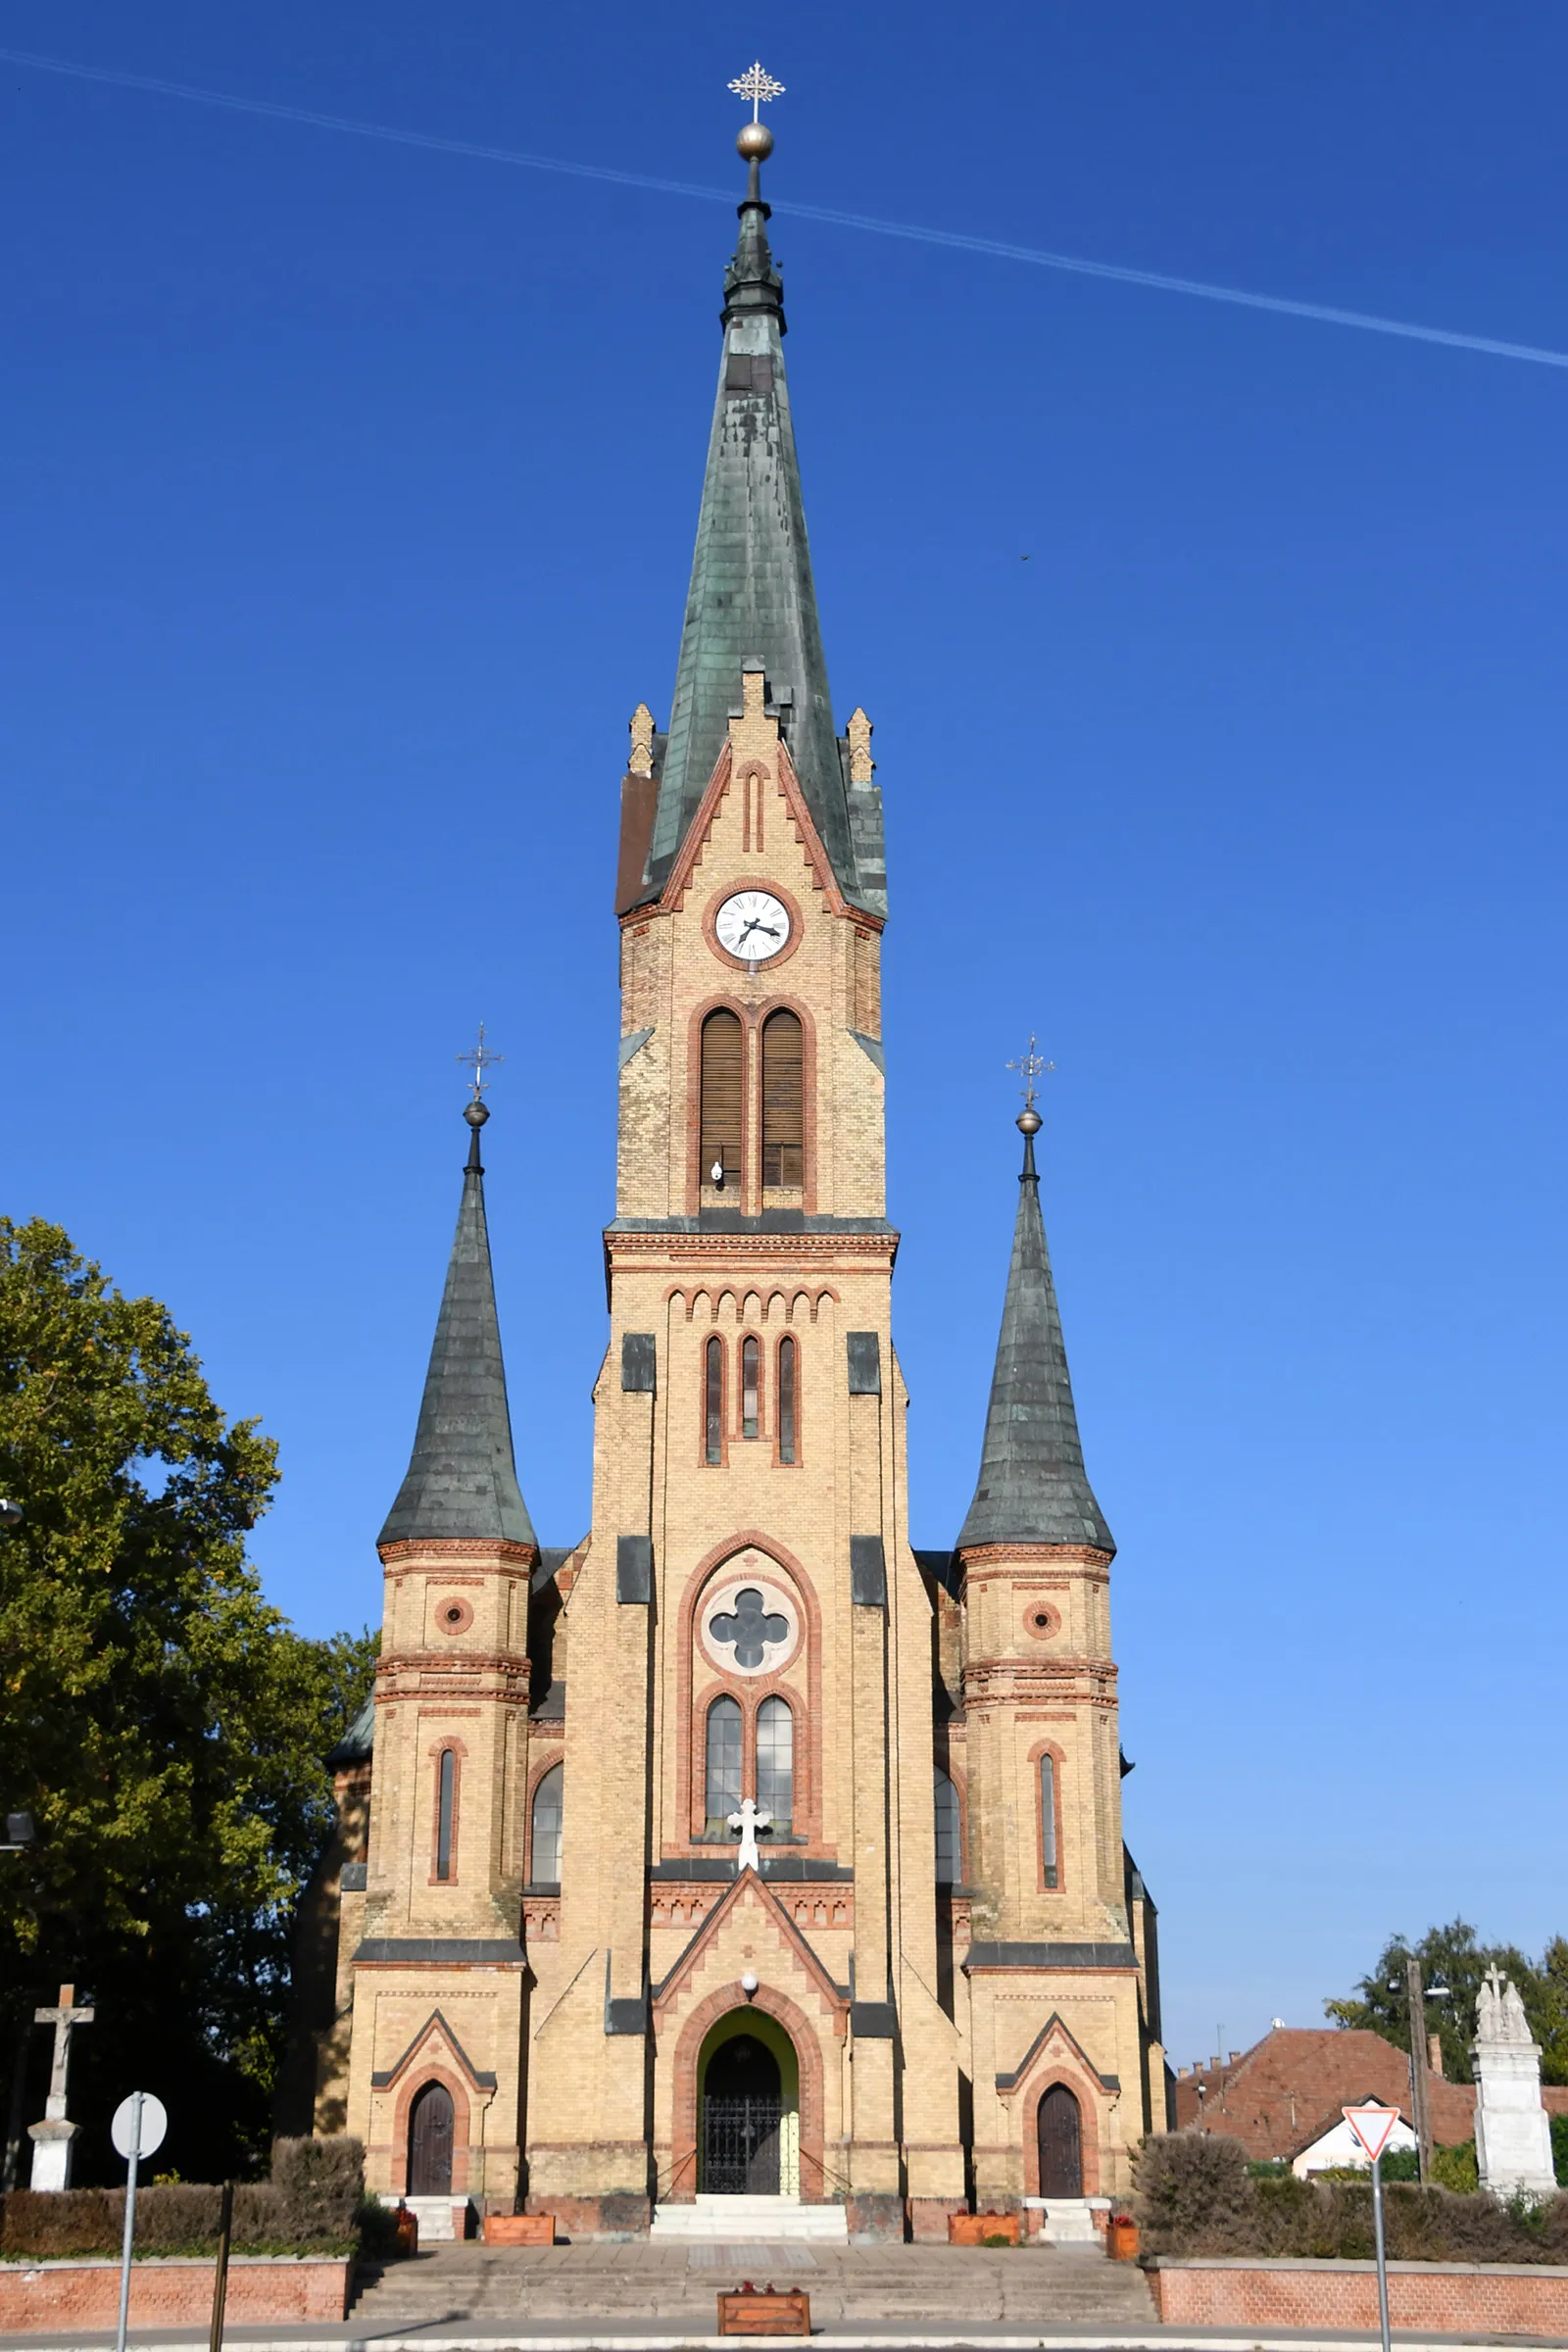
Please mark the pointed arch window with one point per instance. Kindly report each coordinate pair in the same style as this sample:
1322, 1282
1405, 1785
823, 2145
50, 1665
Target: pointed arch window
751, 1354
445, 1815
788, 1396
783, 1101
714, 1400
1050, 1869
544, 1842
949, 1855
720, 1096
723, 1763
775, 1761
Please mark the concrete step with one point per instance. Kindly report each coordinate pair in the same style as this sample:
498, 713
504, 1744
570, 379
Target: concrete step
734, 2220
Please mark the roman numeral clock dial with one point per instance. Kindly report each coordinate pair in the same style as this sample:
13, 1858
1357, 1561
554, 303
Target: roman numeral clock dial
752, 925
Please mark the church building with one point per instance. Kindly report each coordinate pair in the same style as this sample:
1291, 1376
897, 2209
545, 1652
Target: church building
739, 1849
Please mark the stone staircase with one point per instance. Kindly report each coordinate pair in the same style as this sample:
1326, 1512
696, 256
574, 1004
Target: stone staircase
925, 2289
742, 2221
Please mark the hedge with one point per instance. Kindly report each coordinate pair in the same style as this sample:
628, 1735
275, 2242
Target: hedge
309, 2206
1196, 2195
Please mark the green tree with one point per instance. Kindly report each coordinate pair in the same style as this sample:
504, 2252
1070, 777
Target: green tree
1454, 1956
162, 1723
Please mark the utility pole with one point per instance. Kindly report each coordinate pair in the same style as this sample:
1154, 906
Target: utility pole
1421, 2114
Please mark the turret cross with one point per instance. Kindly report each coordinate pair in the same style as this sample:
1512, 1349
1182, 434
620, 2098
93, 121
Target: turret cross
478, 1060
1030, 1066
759, 86
64, 2017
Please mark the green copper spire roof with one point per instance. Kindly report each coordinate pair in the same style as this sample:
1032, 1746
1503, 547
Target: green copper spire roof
461, 1481
751, 597
1033, 1488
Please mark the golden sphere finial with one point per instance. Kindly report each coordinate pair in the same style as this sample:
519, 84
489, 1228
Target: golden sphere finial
755, 142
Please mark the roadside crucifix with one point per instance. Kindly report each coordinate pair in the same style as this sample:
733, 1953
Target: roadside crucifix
54, 2139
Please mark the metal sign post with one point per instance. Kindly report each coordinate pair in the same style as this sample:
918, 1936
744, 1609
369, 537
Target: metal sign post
226, 2231
1371, 2125
137, 2131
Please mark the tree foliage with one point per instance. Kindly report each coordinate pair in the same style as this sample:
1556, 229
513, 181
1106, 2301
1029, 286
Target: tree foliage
1454, 1956
162, 1723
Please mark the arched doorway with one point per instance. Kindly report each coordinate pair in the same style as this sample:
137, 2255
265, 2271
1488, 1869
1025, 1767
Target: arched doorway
430, 2135
748, 2109
1062, 2151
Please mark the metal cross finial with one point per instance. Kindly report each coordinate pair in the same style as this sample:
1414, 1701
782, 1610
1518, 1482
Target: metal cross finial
1030, 1065
478, 1061
758, 87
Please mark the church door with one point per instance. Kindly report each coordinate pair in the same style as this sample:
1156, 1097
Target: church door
743, 2107
1061, 2156
430, 2142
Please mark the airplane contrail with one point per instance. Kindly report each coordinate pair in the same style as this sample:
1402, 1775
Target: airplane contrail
955, 239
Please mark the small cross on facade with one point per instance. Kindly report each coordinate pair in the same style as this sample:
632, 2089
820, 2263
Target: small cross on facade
758, 87
478, 1060
52, 2140
1030, 1066
749, 1821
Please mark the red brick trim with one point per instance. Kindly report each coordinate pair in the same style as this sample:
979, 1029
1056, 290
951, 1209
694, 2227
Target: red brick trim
801, 1682
730, 890
448, 1745
703, 1462
689, 2042
788, 1338
460, 1547
409, 2092
1058, 1755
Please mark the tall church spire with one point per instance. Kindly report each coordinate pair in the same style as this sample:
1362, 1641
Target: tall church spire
752, 597
1033, 1488
461, 1481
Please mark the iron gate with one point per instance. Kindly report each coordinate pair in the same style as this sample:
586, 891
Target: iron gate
739, 2146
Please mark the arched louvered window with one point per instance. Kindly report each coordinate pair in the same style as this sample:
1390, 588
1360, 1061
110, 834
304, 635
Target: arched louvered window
714, 1400
723, 1762
775, 1761
750, 1355
949, 1855
721, 1122
1048, 1821
783, 1101
544, 1844
787, 1400
446, 1814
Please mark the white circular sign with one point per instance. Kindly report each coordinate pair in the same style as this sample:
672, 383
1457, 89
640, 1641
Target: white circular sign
154, 2124
749, 1624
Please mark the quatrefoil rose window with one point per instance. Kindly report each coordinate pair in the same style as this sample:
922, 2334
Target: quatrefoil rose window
748, 1625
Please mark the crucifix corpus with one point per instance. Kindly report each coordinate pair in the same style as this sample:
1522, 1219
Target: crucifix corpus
54, 2139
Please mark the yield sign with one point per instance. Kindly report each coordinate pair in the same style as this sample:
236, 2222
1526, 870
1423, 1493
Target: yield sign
1372, 2126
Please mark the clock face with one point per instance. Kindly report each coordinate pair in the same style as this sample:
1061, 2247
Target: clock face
752, 925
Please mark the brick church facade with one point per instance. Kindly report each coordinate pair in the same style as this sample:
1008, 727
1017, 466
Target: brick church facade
541, 1969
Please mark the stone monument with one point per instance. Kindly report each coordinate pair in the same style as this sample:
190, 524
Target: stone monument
54, 2140
1514, 2136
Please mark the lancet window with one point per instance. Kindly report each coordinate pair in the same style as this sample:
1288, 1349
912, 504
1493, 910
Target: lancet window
722, 1090
723, 1763
714, 1401
544, 1842
446, 1814
949, 1855
788, 1399
783, 1101
1050, 1868
775, 1761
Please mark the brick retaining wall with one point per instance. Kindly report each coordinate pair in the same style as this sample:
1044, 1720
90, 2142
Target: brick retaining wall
1456, 2298
173, 2291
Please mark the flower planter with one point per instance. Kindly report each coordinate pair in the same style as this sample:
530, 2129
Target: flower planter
760, 2311
519, 2229
974, 2228
1122, 2238
407, 2230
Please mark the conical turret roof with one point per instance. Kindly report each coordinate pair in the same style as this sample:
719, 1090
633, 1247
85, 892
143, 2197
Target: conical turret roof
461, 1481
752, 597
1032, 1487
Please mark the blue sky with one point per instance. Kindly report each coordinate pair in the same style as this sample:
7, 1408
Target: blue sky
349, 493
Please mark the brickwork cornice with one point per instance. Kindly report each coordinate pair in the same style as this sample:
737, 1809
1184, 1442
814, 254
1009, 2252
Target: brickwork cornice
497, 1553
1024, 1681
